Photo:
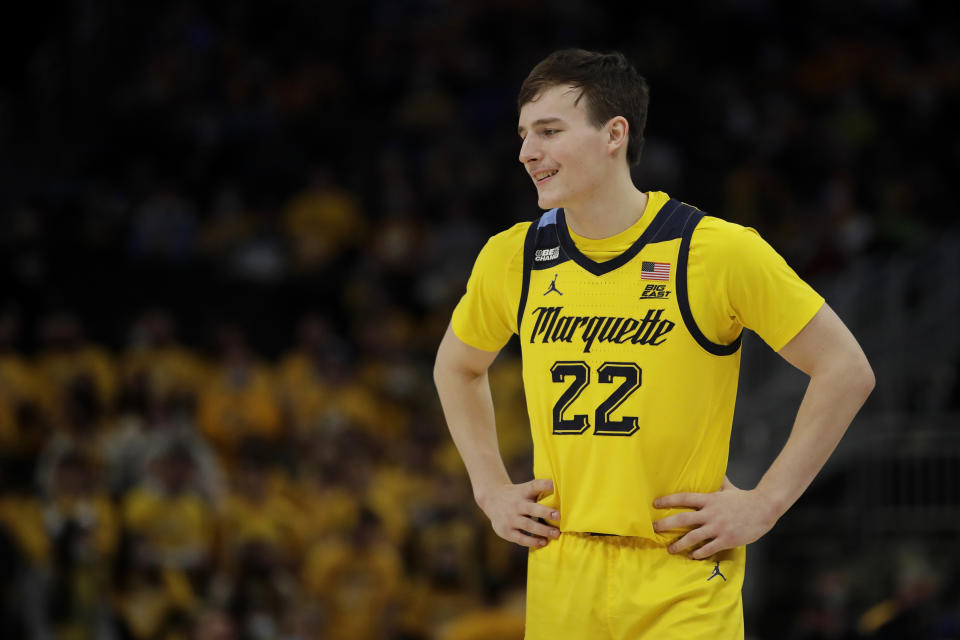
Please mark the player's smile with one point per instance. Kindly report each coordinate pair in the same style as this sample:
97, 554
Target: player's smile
542, 177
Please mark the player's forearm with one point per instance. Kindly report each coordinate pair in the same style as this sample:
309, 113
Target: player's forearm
468, 409
833, 397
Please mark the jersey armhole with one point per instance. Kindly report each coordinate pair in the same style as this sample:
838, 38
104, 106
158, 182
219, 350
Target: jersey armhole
683, 300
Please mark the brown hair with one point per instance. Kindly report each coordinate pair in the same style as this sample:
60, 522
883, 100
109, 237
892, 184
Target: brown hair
610, 84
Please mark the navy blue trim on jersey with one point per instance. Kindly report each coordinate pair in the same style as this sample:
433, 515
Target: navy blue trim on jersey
529, 245
546, 252
691, 220
666, 226
541, 250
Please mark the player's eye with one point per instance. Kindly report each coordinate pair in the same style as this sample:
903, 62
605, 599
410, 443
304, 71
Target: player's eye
550, 132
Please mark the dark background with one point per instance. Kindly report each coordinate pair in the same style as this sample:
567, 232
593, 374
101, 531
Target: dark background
245, 171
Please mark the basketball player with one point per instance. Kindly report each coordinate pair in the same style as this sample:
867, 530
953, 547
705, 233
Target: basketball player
629, 307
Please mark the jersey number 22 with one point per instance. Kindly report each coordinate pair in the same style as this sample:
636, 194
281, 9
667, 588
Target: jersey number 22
607, 373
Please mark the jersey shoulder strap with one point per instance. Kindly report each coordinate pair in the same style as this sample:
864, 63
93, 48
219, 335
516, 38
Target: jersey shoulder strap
541, 250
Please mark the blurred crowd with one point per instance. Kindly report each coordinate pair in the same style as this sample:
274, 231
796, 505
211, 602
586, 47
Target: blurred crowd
155, 492
231, 236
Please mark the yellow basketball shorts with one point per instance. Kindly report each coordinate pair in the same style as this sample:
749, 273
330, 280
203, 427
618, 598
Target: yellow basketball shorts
623, 588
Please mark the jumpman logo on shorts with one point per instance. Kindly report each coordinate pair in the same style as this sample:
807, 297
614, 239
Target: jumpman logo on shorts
553, 286
716, 572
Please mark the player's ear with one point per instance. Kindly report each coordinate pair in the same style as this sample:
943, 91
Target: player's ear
618, 132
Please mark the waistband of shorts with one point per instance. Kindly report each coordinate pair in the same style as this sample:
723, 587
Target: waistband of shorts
618, 540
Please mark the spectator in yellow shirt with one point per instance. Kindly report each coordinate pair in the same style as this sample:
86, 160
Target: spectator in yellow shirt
168, 515
257, 511
303, 389
322, 221
66, 357
154, 353
239, 400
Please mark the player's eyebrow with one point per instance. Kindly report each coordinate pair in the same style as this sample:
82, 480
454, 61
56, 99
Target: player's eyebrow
537, 123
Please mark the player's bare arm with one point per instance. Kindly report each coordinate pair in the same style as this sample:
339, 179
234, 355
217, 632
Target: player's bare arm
840, 381
460, 373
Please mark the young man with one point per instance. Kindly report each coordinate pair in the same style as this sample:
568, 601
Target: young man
629, 308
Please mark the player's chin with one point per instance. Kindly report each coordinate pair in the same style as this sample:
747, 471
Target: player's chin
547, 200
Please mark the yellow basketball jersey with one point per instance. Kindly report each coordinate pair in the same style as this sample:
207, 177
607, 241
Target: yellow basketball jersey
628, 398
628, 401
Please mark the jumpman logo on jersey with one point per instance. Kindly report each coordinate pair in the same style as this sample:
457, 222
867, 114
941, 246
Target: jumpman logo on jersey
553, 286
716, 572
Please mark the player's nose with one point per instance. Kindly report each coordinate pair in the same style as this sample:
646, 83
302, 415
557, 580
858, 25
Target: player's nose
529, 150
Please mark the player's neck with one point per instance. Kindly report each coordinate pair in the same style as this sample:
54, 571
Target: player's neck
608, 211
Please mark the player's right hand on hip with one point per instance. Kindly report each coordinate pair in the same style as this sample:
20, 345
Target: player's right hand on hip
514, 513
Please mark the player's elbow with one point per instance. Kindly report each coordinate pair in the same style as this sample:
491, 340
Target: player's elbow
868, 379
860, 376
847, 371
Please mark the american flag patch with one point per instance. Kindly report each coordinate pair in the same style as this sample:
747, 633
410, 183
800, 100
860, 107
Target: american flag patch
655, 271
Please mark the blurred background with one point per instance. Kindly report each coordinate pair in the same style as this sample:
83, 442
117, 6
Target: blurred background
231, 236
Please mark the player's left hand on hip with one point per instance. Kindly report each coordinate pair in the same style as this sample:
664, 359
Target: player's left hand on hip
721, 520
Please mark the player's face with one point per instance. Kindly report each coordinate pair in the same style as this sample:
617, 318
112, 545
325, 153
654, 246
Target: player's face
562, 151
